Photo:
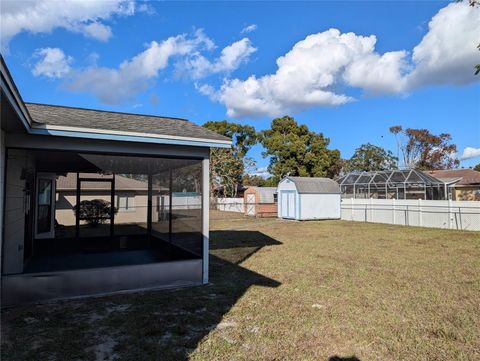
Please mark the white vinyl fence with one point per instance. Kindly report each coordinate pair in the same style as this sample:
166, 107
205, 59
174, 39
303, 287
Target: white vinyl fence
230, 205
437, 214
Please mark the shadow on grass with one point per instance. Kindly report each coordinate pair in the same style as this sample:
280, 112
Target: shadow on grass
164, 324
338, 358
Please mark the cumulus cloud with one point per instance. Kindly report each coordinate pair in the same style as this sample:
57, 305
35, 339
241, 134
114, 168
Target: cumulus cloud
249, 28
318, 69
116, 85
232, 56
469, 153
40, 16
53, 63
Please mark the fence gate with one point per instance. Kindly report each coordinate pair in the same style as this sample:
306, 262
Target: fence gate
250, 208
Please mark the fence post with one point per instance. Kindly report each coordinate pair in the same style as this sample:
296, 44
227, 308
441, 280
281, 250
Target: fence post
393, 210
371, 212
420, 220
460, 217
450, 214
406, 215
352, 205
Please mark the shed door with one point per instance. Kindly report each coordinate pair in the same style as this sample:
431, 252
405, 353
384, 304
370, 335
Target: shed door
288, 204
250, 204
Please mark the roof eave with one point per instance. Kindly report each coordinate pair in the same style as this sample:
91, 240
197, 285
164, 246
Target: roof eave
13, 95
87, 133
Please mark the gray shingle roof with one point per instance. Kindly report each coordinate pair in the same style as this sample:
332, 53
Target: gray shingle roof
125, 122
315, 185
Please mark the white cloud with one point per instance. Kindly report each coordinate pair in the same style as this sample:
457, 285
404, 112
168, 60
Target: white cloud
43, 16
262, 172
53, 63
448, 52
232, 56
98, 31
249, 28
469, 153
319, 68
116, 85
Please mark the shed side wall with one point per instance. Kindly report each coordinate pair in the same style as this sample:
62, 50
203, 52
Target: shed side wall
319, 206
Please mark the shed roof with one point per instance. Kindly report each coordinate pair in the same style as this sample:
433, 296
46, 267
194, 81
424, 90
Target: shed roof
311, 185
266, 194
56, 115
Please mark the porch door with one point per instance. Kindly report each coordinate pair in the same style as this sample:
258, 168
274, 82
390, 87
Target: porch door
45, 206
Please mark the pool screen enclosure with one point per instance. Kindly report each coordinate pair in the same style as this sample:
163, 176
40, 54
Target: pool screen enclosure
398, 184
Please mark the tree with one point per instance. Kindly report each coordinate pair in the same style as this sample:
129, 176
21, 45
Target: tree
369, 157
95, 211
253, 180
477, 167
228, 165
423, 150
296, 151
243, 136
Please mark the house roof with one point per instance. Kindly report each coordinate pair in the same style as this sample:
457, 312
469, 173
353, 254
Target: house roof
310, 185
69, 182
465, 176
55, 116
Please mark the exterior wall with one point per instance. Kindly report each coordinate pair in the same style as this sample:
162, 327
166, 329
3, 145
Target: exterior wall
463, 215
319, 206
66, 200
2, 185
15, 203
467, 193
267, 210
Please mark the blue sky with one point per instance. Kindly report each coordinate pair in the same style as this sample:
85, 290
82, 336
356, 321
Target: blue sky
200, 62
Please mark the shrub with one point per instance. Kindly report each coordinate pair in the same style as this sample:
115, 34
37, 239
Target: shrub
95, 211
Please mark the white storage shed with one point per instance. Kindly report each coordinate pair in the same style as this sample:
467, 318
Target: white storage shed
305, 198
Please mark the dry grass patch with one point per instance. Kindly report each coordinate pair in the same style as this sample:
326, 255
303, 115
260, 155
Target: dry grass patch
282, 290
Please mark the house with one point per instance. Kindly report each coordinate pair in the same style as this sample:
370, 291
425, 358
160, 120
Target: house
261, 201
304, 198
464, 184
98, 202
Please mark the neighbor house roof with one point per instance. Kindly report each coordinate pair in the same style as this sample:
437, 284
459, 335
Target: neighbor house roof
69, 182
55, 117
465, 176
315, 185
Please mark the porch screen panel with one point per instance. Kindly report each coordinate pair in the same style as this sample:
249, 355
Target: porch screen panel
187, 206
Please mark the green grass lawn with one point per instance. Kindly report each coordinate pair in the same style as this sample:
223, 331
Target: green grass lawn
282, 290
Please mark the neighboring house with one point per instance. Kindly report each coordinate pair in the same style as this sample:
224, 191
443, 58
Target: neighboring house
305, 198
261, 201
155, 170
464, 184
